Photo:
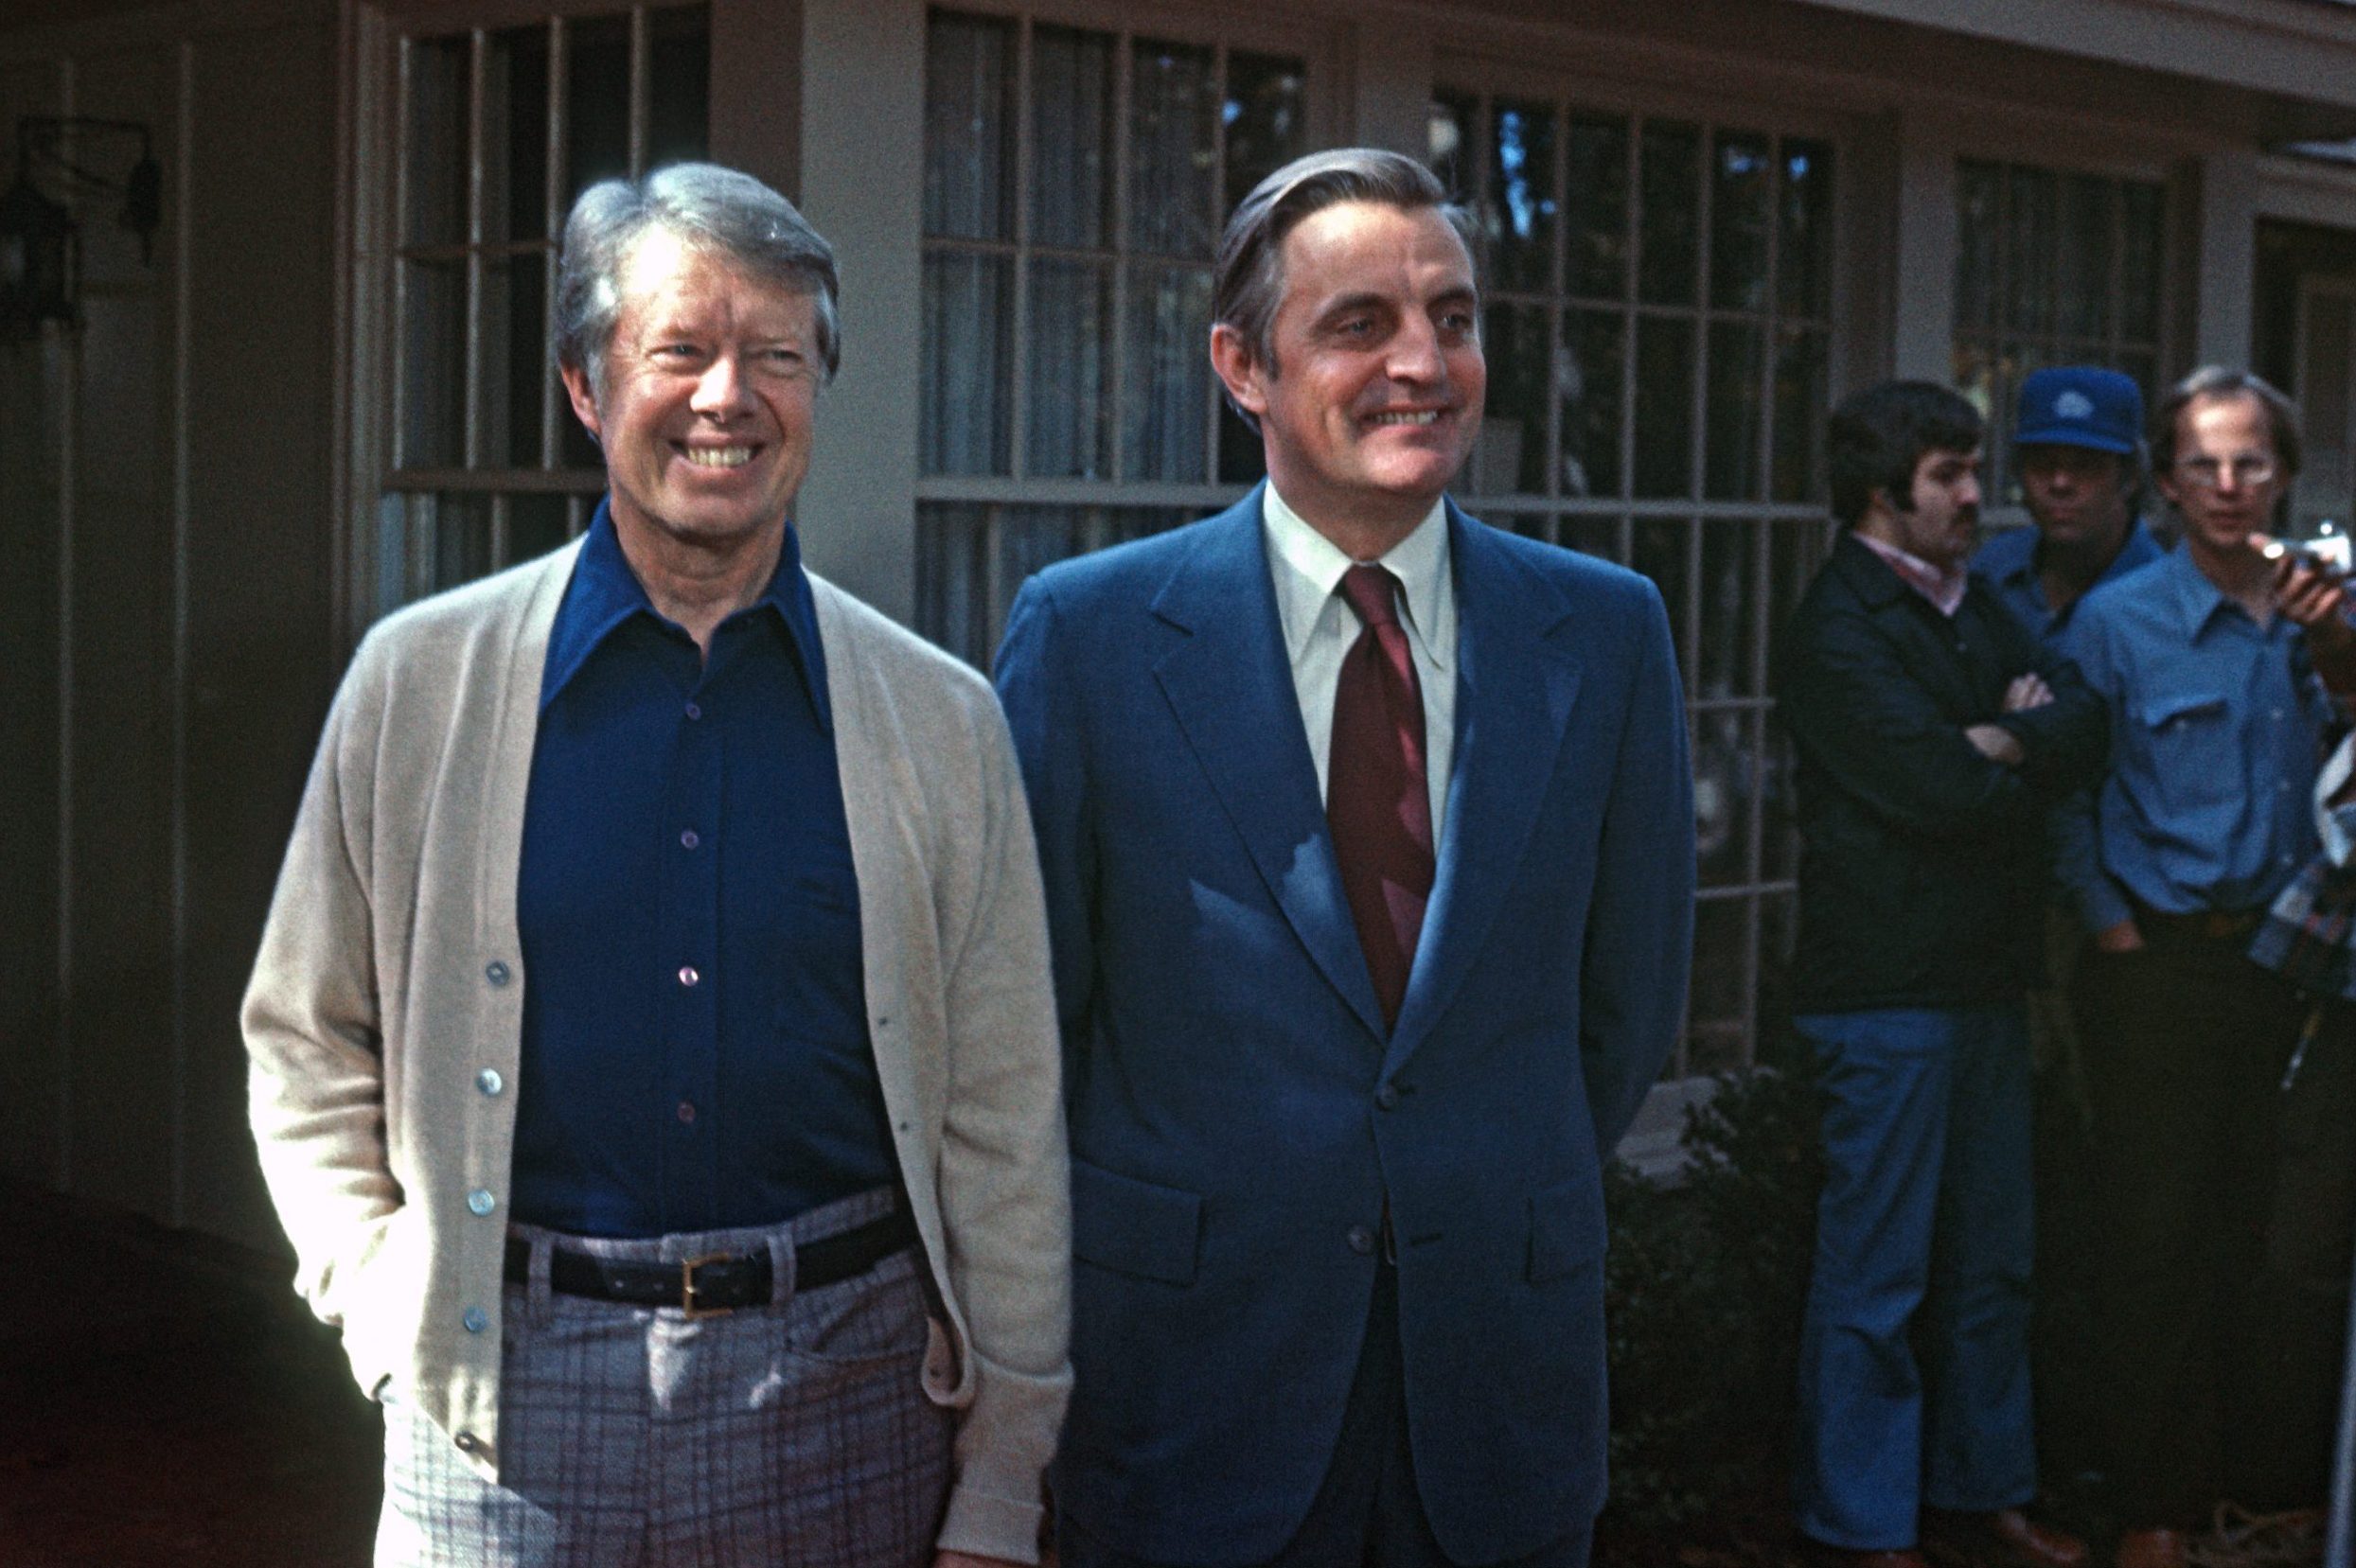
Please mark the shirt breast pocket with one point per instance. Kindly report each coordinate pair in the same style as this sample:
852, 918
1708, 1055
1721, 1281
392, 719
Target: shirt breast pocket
2188, 737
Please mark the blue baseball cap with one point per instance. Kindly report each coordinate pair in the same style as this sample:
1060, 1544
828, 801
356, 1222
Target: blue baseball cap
2079, 405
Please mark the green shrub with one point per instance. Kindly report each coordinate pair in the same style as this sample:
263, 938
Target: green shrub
1703, 1287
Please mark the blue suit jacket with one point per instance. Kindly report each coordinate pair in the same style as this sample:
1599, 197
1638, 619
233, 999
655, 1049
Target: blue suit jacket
1239, 1114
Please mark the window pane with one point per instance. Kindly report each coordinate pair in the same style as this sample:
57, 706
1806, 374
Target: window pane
1596, 264
515, 120
967, 426
434, 365
1591, 372
460, 531
969, 129
1664, 407
2082, 259
437, 141
1172, 127
1511, 457
1454, 116
536, 524
952, 578
1067, 383
1071, 138
1661, 554
1521, 179
1802, 402
1722, 779
1980, 245
1597, 537
1731, 469
1030, 538
1729, 608
1797, 547
596, 103
515, 358
1672, 179
2139, 263
1743, 172
1804, 249
1169, 373
679, 86
2029, 231
1266, 115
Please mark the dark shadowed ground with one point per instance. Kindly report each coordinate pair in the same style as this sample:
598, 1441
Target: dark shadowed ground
165, 1398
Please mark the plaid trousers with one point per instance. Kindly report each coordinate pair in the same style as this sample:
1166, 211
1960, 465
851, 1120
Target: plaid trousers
794, 1433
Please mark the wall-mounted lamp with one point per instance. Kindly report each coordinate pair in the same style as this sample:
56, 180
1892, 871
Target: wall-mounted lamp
39, 256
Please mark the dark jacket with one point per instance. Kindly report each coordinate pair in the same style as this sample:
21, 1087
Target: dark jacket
1924, 864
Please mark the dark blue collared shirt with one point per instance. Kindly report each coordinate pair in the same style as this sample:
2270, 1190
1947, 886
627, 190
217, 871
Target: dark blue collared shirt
2007, 564
694, 1031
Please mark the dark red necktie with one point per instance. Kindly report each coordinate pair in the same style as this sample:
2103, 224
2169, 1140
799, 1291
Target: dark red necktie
1377, 800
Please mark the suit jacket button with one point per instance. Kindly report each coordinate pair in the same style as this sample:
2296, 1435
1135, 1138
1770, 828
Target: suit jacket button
1386, 1098
1361, 1240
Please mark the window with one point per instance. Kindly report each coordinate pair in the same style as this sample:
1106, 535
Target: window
1658, 327
499, 131
2052, 267
1075, 186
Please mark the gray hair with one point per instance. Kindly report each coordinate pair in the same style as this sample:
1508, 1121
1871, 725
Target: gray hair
1250, 282
2282, 416
709, 208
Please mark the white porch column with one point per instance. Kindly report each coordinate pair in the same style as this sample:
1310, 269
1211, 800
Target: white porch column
2226, 241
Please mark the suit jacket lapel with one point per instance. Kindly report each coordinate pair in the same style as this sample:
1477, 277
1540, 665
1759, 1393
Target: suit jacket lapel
1514, 694
1230, 683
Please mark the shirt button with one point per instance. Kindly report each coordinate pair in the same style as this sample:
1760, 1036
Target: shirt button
490, 1081
496, 972
688, 839
687, 1111
476, 1320
1361, 1240
467, 1442
687, 974
695, 710
480, 1202
1386, 1097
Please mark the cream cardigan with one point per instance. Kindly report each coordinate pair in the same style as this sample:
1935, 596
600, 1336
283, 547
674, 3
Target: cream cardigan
389, 991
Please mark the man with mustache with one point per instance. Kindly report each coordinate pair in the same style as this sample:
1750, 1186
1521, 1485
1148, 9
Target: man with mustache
2218, 667
1367, 832
1933, 732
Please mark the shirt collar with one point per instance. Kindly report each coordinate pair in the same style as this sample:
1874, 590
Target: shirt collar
1943, 589
2199, 600
605, 592
1308, 568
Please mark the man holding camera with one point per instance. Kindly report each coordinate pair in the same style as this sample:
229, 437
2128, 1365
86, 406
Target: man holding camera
2218, 666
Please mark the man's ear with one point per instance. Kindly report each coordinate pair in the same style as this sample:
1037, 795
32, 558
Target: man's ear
1239, 369
584, 403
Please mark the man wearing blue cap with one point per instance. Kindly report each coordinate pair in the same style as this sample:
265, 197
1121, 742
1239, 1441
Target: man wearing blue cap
2078, 448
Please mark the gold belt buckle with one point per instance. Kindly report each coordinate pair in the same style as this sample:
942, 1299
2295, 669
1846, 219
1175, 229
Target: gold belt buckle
687, 1267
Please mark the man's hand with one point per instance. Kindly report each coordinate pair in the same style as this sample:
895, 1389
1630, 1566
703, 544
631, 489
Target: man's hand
2029, 691
1996, 743
2123, 938
967, 1559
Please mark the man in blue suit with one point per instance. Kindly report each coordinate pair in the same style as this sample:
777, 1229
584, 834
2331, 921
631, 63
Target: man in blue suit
1368, 840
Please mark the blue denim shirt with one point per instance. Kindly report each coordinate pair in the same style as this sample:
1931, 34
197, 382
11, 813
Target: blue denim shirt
2007, 564
696, 1052
2218, 726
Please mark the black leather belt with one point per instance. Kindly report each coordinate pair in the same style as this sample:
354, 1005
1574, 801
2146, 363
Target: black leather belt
719, 1281
2235, 925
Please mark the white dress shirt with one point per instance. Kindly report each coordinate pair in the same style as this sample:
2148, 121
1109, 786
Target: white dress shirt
1320, 628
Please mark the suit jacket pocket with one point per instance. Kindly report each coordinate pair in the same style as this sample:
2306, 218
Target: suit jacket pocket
1564, 1236
1134, 1226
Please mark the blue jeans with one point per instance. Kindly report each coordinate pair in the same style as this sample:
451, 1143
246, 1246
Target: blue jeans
1927, 1206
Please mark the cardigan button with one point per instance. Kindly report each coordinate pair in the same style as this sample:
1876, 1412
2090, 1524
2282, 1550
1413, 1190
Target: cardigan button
496, 972
476, 1320
490, 1081
480, 1202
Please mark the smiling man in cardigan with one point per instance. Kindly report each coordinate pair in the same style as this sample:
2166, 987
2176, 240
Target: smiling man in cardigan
653, 1059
